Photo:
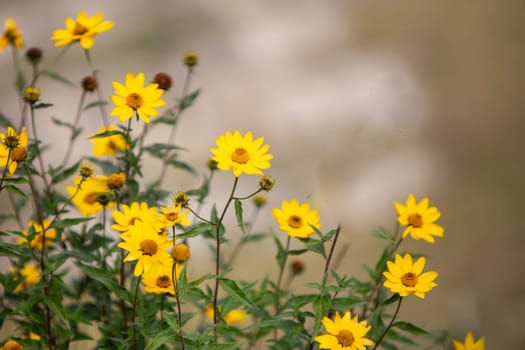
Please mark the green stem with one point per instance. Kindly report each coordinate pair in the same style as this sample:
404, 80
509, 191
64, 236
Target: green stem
281, 273
390, 324
94, 72
175, 279
75, 124
133, 315
218, 252
4, 172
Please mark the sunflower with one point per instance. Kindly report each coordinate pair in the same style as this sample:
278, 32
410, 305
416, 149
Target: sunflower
296, 219
82, 30
134, 97
469, 343
86, 198
108, 145
12, 148
158, 279
174, 216
344, 333
419, 219
36, 242
405, 278
12, 35
146, 246
129, 215
241, 154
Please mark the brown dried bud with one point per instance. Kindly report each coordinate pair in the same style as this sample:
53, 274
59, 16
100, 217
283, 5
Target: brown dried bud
34, 55
163, 80
89, 83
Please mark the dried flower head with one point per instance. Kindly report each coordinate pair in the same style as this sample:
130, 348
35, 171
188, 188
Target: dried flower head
34, 55
163, 80
89, 83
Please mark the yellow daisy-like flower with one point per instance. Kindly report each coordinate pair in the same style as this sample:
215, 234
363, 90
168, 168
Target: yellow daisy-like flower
134, 97
232, 317
158, 279
241, 154
344, 333
405, 278
36, 242
129, 215
296, 219
30, 274
146, 246
419, 219
82, 30
12, 35
12, 148
469, 343
11, 345
86, 198
109, 145
174, 216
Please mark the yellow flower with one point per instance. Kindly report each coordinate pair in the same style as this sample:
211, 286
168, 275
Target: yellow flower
83, 29
12, 35
86, 198
405, 278
174, 216
134, 97
31, 94
36, 242
158, 279
232, 317
469, 343
181, 253
296, 219
116, 180
242, 154
129, 215
108, 145
30, 274
13, 146
419, 219
11, 345
145, 245
344, 333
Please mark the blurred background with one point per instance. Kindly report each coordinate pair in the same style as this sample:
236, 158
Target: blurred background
362, 102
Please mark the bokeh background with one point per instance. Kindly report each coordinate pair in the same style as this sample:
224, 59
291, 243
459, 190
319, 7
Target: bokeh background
362, 102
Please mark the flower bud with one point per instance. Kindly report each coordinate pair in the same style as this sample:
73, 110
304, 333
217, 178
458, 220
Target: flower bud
180, 199
116, 181
212, 164
297, 267
89, 83
163, 80
181, 253
31, 94
260, 201
267, 183
191, 58
86, 170
34, 55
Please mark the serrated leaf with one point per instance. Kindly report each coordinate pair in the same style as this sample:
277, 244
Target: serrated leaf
410, 328
57, 77
239, 216
231, 287
16, 190
188, 100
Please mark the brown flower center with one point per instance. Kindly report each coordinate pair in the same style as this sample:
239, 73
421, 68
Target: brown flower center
415, 220
134, 100
90, 198
345, 337
240, 155
11, 141
171, 216
295, 221
409, 279
148, 247
163, 281
79, 29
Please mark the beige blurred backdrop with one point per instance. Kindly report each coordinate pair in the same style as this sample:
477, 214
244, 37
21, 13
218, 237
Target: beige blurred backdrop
362, 102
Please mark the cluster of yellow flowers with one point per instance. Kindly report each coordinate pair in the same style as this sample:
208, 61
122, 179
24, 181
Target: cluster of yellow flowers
144, 230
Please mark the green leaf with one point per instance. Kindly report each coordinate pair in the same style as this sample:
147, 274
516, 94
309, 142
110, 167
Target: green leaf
281, 252
392, 299
188, 100
16, 180
164, 337
42, 105
315, 246
57, 77
95, 104
20, 82
410, 328
57, 309
16, 190
105, 278
10, 250
383, 233
70, 222
231, 287
224, 346
196, 230
238, 215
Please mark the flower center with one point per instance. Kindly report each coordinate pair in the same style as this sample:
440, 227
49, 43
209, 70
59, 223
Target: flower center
11, 141
134, 100
173, 216
295, 221
240, 155
148, 247
90, 198
415, 220
163, 282
409, 279
345, 337
79, 29
11, 35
